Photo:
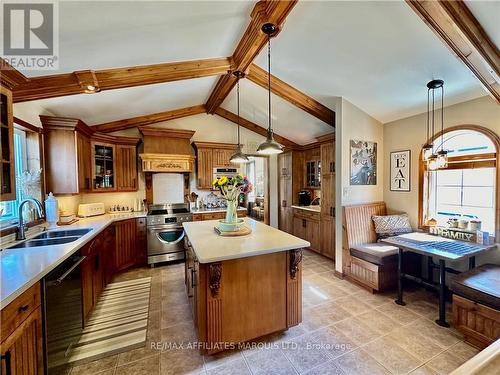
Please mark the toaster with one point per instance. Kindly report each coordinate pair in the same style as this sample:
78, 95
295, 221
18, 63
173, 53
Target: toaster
91, 209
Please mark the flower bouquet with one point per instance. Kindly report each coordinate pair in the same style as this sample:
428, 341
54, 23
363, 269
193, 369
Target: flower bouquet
231, 189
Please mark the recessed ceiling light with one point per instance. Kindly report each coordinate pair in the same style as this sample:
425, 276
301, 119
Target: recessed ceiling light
90, 88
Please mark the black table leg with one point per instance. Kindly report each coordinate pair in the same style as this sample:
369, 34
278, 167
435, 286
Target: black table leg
442, 295
399, 301
430, 270
472, 262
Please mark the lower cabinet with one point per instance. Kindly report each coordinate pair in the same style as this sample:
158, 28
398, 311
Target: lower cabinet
327, 241
126, 244
307, 227
21, 345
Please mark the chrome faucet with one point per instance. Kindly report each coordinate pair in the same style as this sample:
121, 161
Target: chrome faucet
21, 230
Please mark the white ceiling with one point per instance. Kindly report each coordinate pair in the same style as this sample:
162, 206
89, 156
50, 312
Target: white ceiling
130, 102
488, 15
287, 120
378, 55
110, 34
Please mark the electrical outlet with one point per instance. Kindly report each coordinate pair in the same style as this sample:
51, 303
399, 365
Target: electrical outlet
345, 192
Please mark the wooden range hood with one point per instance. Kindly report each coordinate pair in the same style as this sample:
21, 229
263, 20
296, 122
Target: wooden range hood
167, 150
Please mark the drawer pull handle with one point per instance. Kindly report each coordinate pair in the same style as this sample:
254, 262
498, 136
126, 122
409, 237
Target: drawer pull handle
23, 308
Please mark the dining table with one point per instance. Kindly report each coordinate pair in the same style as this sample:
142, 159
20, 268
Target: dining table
434, 247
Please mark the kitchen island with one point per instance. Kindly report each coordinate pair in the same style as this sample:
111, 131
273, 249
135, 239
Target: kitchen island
242, 288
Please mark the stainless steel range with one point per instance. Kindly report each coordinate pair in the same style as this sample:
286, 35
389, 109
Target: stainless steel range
165, 232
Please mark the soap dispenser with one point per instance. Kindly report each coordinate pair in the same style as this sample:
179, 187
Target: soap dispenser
51, 210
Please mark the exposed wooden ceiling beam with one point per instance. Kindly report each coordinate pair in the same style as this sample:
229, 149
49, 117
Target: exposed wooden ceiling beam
454, 23
149, 119
9, 76
291, 94
250, 45
108, 79
253, 127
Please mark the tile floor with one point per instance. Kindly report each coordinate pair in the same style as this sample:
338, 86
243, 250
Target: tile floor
345, 331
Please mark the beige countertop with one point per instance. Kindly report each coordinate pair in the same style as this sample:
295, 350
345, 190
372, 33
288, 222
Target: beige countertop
211, 210
23, 267
316, 208
209, 247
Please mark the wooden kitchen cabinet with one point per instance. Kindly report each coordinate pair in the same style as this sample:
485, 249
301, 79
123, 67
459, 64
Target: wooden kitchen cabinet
210, 155
327, 159
215, 215
87, 286
7, 177
327, 241
83, 152
126, 168
126, 253
21, 334
141, 249
306, 225
103, 166
285, 192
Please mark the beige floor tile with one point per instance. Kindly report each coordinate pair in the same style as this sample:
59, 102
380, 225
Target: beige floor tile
181, 361
269, 362
353, 305
178, 334
399, 313
313, 319
146, 366
424, 308
220, 359
464, 350
328, 368
331, 312
334, 341
378, 321
304, 355
373, 299
415, 343
359, 362
392, 356
445, 363
133, 355
424, 370
95, 366
360, 333
175, 314
444, 337
236, 367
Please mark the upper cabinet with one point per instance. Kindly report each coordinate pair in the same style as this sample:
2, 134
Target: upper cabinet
78, 160
328, 158
209, 156
312, 168
7, 179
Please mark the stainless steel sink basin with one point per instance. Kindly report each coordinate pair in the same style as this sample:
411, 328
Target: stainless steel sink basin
44, 242
63, 233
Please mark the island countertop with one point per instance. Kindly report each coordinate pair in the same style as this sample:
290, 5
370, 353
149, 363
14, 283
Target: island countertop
209, 247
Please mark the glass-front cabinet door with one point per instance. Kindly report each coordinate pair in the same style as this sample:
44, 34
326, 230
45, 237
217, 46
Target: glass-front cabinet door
103, 167
313, 174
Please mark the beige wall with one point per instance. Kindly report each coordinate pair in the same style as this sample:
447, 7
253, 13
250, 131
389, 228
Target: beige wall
410, 133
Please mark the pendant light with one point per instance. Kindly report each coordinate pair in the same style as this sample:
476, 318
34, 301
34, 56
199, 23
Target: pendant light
269, 146
238, 157
439, 159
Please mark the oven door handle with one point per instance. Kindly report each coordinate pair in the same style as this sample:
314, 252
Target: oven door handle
170, 243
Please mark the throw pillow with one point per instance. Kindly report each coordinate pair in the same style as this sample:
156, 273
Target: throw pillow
391, 225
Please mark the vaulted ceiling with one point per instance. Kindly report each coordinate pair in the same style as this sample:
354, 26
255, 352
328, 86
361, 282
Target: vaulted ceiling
378, 55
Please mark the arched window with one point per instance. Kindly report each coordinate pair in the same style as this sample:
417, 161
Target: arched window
468, 187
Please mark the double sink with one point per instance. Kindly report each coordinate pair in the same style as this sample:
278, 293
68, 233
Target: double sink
53, 238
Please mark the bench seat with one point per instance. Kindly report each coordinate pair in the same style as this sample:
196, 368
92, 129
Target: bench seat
377, 253
476, 304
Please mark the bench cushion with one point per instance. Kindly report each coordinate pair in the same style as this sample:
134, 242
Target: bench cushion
377, 253
481, 285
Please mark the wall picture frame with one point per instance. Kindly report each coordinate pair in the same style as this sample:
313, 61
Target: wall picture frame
400, 170
363, 162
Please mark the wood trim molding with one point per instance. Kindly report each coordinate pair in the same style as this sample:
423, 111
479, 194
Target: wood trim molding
26, 125
457, 27
167, 132
227, 146
9, 76
253, 127
144, 120
167, 163
214, 275
250, 45
495, 138
52, 86
285, 91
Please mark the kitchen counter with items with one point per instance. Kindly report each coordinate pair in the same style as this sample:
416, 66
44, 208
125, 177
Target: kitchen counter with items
21, 268
316, 208
212, 210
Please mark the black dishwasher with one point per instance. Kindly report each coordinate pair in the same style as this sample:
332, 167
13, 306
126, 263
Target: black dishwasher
62, 312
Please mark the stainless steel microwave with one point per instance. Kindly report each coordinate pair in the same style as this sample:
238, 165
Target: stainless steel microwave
225, 171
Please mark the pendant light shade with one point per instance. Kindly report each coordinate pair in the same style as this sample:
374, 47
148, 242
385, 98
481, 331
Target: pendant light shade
439, 159
238, 157
269, 146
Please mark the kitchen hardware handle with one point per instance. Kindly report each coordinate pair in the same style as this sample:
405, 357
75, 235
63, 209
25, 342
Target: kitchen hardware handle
7, 359
23, 308
331, 211
170, 243
193, 272
87, 183
65, 274
303, 223
96, 263
283, 203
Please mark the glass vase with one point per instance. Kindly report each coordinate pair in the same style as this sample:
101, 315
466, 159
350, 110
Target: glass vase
231, 214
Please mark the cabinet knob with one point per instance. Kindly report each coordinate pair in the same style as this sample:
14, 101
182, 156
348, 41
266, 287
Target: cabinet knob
8, 366
23, 308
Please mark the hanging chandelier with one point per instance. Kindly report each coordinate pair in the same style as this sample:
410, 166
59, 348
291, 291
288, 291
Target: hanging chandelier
238, 157
269, 146
434, 159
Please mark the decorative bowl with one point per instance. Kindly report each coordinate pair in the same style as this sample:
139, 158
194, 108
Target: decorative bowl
230, 227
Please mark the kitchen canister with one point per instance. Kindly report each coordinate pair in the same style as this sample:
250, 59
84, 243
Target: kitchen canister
51, 210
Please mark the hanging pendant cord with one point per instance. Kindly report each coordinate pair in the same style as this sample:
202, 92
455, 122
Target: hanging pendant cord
428, 114
433, 117
269, 76
442, 118
238, 103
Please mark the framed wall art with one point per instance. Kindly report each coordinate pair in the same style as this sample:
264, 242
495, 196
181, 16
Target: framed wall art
400, 165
